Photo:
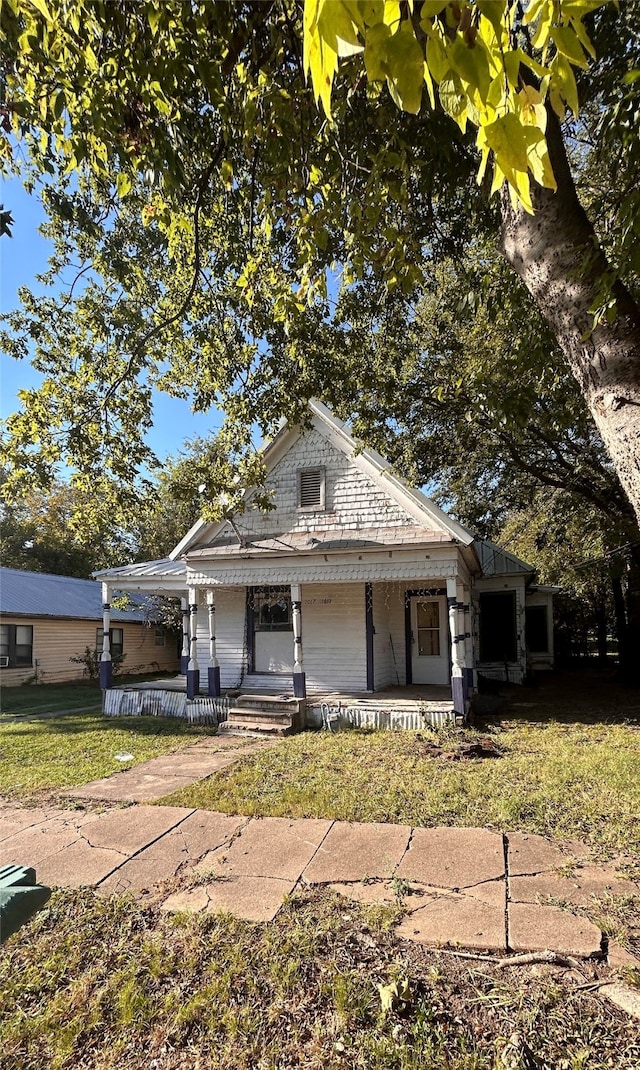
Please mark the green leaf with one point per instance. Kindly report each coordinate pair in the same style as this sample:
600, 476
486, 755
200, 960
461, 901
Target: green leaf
405, 69
437, 59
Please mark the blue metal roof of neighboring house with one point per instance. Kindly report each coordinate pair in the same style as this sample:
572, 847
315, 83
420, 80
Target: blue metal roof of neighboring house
37, 594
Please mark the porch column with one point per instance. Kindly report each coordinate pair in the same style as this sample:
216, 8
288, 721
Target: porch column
184, 657
193, 672
106, 665
457, 648
213, 674
299, 682
469, 680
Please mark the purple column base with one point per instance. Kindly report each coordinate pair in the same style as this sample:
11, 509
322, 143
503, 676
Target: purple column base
214, 681
106, 675
184, 664
193, 683
299, 685
457, 694
468, 682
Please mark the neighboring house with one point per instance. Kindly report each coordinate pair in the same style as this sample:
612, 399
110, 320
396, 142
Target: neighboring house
46, 620
353, 582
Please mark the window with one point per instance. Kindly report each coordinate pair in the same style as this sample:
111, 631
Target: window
272, 611
537, 632
428, 622
498, 626
16, 645
311, 488
116, 641
160, 637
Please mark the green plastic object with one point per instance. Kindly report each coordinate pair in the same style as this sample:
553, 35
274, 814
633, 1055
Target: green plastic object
20, 898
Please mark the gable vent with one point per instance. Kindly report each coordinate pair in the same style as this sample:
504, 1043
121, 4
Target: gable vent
311, 488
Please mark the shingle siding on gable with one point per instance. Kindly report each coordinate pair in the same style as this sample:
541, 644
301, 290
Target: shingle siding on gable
352, 500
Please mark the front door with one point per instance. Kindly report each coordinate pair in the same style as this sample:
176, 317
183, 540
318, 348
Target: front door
273, 631
429, 641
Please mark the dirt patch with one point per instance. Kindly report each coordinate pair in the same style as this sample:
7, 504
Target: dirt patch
482, 747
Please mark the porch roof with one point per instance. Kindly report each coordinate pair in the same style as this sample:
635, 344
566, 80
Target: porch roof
227, 544
145, 570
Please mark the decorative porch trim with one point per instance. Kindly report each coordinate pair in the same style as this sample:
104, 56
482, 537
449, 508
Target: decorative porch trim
417, 592
368, 617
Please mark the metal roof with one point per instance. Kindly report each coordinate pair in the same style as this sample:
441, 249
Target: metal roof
38, 594
145, 570
494, 561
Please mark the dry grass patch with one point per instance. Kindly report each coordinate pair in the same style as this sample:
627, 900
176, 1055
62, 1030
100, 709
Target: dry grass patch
99, 983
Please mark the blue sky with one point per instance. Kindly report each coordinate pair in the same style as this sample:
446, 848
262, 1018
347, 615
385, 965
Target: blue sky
24, 256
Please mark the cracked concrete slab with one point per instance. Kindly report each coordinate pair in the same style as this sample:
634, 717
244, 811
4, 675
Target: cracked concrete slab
33, 844
270, 847
186, 844
493, 893
354, 852
456, 919
133, 828
534, 927
528, 853
585, 883
78, 865
453, 857
369, 893
251, 898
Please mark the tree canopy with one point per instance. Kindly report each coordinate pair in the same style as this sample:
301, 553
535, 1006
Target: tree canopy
205, 203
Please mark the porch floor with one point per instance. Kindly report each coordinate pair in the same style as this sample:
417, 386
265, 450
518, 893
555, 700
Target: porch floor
407, 697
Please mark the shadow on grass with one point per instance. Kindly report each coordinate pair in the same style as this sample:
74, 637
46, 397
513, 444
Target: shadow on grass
588, 696
79, 724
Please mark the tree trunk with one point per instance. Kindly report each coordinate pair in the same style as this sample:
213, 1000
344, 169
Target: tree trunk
556, 254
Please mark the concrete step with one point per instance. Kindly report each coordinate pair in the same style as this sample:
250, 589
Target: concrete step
255, 726
268, 702
269, 716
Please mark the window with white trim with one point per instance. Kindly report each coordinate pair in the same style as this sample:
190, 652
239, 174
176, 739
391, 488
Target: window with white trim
160, 637
116, 641
311, 489
16, 646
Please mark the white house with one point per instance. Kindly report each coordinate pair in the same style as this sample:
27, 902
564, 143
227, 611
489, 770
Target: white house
353, 582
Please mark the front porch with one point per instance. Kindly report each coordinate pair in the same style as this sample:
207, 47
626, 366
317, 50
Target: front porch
412, 706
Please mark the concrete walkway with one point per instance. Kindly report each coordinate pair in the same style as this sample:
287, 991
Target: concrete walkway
473, 887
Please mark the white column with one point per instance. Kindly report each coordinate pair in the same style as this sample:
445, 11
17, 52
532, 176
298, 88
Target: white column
184, 659
106, 664
457, 648
299, 684
193, 672
193, 629
214, 664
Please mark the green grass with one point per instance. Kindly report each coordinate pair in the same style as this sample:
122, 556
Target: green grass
61, 752
563, 780
102, 983
46, 698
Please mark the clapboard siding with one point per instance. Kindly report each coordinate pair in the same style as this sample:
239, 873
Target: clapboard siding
333, 636
352, 499
382, 660
56, 641
230, 623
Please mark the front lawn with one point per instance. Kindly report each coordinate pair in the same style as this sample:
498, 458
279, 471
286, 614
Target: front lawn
568, 773
102, 983
34, 699
62, 752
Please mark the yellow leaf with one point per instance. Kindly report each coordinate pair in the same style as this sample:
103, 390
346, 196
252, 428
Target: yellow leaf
437, 59
42, 8
429, 82
567, 43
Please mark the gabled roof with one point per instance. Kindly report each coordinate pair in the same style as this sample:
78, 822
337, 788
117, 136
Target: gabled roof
421, 508
38, 594
494, 561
